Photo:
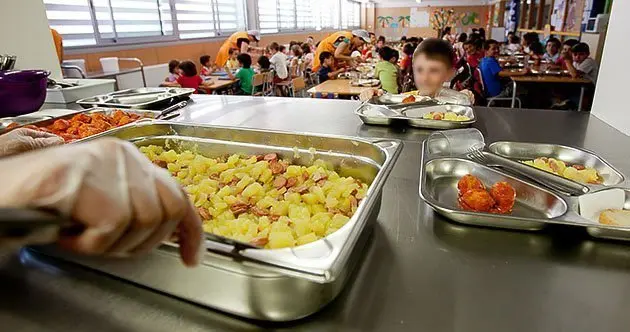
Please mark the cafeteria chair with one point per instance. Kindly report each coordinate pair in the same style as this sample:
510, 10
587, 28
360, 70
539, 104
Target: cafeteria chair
493, 99
298, 84
258, 82
268, 89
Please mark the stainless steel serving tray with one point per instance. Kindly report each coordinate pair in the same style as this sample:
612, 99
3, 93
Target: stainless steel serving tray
105, 110
535, 206
522, 151
21, 120
280, 284
412, 115
141, 98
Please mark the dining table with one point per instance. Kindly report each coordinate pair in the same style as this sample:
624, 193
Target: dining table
336, 88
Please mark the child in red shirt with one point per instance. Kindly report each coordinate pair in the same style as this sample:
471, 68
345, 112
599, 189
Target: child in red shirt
474, 54
189, 77
206, 65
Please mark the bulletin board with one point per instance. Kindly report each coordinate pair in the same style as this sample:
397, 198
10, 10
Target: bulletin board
419, 18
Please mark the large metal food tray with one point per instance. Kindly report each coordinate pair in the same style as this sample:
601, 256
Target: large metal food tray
412, 115
276, 285
141, 98
22, 120
535, 206
105, 110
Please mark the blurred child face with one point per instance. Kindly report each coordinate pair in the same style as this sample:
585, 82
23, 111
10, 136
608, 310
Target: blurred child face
566, 49
552, 48
493, 51
328, 62
470, 49
379, 44
429, 75
234, 54
579, 56
373, 39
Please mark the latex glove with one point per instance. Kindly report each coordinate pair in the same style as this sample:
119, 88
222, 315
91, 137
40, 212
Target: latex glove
24, 139
126, 204
369, 93
470, 94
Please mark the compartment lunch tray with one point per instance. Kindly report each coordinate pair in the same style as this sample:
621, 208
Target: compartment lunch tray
412, 114
535, 206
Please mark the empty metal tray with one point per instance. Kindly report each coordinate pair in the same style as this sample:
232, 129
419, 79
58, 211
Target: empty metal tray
141, 98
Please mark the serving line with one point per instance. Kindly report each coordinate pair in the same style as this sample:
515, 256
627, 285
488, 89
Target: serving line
418, 271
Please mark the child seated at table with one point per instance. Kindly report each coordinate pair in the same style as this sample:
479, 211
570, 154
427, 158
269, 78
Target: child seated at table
279, 63
173, 69
386, 71
264, 64
581, 64
474, 54
514, 44
528, 39
326, 72
188, 78
490, 69
536, 52
232, 62
245, 74
567, 45
553, 50
206, 66
432, 64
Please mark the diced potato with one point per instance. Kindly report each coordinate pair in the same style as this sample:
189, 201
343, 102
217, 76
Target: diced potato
308, 238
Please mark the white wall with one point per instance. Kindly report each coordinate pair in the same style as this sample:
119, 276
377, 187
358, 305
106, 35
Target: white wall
611, 94
24, 32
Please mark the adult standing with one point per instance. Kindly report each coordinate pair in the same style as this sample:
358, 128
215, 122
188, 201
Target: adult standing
341, 44
238, 40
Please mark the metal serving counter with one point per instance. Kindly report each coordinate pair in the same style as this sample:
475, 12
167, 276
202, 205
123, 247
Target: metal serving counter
420, 272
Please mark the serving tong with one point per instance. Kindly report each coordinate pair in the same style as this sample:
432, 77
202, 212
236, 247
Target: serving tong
549, 180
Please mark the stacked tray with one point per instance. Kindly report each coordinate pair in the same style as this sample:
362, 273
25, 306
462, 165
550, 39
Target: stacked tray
265, 284
384, 111
141, 98
536, 206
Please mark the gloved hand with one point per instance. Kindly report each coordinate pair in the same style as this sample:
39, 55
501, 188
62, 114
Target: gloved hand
369, 93
126, 204
23, 139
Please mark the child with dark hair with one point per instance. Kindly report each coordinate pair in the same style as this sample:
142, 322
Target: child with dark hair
386, 70
514, 43
245, 74
279, 62
432, 65
325, 72
173, 69
528, 39
490, 69
474, 53
206, 65
265, 65
536, 52
405, 64
553, 50
567, 45
582, 64
459, 46
188, 78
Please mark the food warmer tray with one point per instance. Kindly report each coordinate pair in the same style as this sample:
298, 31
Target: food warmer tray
535, 205
412, 113
21, 120
148, 114
141, 98
274, 285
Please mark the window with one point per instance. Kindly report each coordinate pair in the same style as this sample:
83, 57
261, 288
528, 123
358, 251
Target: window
350, 14
72, 19
103, 22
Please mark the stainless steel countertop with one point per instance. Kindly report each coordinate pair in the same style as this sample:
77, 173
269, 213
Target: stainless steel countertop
420, 273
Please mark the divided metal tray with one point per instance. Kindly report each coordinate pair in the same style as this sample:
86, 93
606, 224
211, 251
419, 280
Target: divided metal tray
141, 98
535, 206
280, 284
411, 114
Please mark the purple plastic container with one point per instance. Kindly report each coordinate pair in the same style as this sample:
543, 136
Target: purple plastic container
22, 91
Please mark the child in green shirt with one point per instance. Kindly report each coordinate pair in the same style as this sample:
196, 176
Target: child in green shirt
245, 74
386, 70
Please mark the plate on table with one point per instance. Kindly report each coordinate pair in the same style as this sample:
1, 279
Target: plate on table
365, 82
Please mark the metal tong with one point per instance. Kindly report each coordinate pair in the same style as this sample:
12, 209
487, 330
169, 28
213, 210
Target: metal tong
555, 182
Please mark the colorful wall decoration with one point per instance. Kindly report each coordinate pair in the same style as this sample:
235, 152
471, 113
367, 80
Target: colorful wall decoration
394, 22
